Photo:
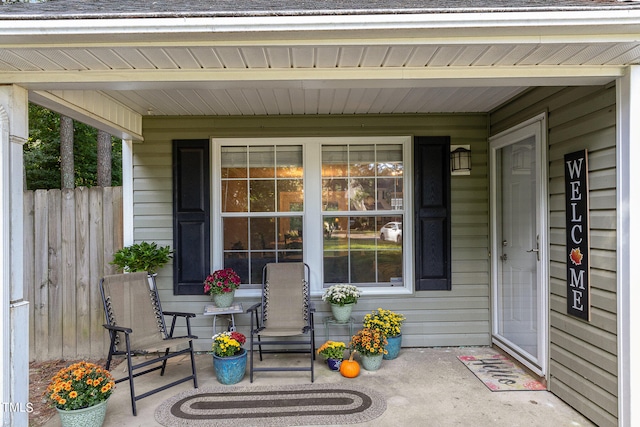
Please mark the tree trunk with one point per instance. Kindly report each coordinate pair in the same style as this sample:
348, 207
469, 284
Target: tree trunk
104, 159
66, 152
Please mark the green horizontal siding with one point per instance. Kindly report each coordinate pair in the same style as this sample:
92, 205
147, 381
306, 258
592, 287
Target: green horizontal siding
459, 317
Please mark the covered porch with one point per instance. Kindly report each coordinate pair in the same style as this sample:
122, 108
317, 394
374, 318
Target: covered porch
154, 78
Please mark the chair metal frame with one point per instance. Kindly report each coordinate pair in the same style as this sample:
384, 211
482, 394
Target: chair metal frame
258, 318
116, 331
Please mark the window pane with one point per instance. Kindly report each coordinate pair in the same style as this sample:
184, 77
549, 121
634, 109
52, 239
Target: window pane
390, 265
336, 267
363, 232
235, 234
233, 161
290, 233
289, 161
390, 230
390, 193
262, 195
362, 194
334, 194
258, 261
290, 256
262, 162
263, 233
389, 158
336, 233
234, 195
239, 265
334, 160
290, 195
363, 267
362, 160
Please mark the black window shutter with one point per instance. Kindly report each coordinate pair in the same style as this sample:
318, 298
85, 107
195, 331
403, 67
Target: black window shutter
191, 215
432, 207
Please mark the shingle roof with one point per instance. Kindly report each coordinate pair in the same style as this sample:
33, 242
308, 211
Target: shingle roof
76, 9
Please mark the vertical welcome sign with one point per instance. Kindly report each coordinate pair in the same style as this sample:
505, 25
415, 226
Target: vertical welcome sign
577, 215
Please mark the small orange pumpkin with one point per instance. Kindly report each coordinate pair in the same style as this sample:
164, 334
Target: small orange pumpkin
350, 368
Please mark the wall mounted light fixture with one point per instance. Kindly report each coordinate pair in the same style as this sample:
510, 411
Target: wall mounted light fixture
460, 160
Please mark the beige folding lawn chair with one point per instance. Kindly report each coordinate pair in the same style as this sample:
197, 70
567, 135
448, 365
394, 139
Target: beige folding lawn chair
284, 318
136, 325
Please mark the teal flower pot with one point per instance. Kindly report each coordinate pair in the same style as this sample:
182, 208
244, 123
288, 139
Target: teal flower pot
230, 369
371, 363
93, 416
393, 347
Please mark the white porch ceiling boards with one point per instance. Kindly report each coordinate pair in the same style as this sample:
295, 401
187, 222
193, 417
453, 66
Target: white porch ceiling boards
387, 56
354, 78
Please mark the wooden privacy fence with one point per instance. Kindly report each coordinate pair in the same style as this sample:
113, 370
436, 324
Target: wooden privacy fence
69, 239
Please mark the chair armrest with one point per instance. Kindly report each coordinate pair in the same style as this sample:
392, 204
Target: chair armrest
178, 313
118, 328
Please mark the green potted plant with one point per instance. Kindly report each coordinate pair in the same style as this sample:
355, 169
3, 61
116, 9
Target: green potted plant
333, 351
80, 392
370, 343
390, 324
341, 298
142, 256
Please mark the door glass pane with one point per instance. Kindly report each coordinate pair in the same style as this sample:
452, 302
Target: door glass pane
517, 288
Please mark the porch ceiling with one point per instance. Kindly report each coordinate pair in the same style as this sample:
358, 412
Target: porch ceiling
443, 63
323, 79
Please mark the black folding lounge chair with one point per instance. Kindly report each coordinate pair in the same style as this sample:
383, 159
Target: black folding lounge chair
136, 325
284, 318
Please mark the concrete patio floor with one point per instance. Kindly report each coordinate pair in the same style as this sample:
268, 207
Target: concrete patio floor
423, 386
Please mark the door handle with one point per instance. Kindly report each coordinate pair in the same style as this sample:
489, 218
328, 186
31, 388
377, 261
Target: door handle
503, 257
537, 248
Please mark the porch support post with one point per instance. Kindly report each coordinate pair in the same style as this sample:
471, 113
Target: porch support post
628, 278
14, 311
127, 191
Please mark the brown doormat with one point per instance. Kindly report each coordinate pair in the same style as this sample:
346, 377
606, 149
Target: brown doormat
499, 373
292, 405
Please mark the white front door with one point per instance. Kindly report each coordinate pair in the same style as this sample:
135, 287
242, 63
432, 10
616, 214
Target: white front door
518, 233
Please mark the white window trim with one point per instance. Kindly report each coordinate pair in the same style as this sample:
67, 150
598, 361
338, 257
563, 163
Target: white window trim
312, 213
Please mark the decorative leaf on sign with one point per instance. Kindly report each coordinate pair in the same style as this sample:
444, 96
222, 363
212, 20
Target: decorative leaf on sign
576, 256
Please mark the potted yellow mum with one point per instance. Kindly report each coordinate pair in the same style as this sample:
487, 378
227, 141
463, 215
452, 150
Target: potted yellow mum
388, 323
333, 351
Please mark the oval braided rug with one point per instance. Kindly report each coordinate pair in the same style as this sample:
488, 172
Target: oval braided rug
290, 405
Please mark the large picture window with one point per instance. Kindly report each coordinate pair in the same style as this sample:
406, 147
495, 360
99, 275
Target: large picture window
338, 204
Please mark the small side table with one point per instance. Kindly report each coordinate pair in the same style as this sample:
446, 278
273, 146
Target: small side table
330, 321
212, 310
